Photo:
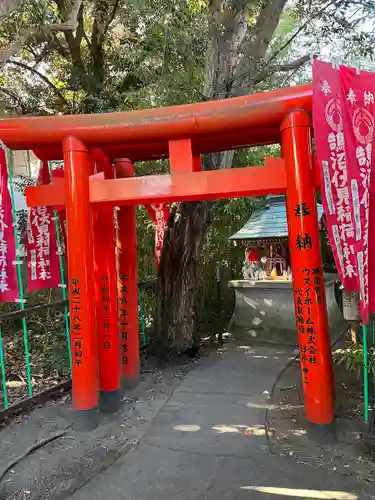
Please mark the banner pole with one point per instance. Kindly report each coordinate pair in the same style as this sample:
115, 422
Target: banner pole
19, 273
3, 373
365, 372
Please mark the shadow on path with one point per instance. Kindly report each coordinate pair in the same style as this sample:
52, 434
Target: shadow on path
208, 441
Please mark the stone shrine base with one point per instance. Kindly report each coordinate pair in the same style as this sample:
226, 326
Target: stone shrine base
264, 310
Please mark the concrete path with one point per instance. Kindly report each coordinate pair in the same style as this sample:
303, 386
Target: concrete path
208, 441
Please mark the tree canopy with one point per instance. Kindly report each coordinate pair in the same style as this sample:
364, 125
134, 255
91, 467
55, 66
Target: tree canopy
79, 56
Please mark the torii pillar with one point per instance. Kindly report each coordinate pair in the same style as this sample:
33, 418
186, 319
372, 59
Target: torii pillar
106, 294
78, 168
308, 281
127, 284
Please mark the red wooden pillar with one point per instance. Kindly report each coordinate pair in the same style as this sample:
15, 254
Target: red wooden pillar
197, 163
81, 285
182, 160
105, 281
308, 283
127, 284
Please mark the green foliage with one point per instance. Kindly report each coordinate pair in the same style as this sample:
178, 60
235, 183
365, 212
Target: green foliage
48, 344
214, 301
346, 26
151, 53
352, 357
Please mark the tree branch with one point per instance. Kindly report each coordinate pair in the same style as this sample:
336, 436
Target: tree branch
227, 29
255, 48
100, 26
59, 46
291, 66
38, 58
259, 68
301, 28
265, 27
13, 96
215, 7
8, 6
42, 77
5, 54
69, 26
74, 49
20, 107
112, 15
80, 29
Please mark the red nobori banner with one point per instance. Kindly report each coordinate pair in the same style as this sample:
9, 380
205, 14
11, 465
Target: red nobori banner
8, 271
58, 173
330, 143
41, 244
371, 240
159, 213
358, 89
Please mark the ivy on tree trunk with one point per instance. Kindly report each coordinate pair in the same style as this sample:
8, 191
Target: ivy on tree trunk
174, 328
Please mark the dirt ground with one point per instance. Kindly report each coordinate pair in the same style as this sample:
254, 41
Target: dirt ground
54, 470
58, 469
351, 451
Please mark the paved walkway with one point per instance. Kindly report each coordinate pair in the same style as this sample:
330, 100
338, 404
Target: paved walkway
208, 442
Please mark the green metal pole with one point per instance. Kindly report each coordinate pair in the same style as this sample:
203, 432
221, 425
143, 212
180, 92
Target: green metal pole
3, 374
62, 278
19, 274
365, 373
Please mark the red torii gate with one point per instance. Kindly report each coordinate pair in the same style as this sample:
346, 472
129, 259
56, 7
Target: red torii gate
181, 133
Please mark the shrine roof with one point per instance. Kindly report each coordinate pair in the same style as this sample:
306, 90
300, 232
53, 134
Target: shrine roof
267, 222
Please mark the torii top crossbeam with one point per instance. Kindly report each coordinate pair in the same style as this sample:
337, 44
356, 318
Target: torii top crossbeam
140, 135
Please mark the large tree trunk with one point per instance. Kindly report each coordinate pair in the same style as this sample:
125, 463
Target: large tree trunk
174, 328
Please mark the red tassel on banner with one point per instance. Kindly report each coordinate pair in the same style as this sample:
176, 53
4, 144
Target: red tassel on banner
8, 271
41, 243
159, 212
